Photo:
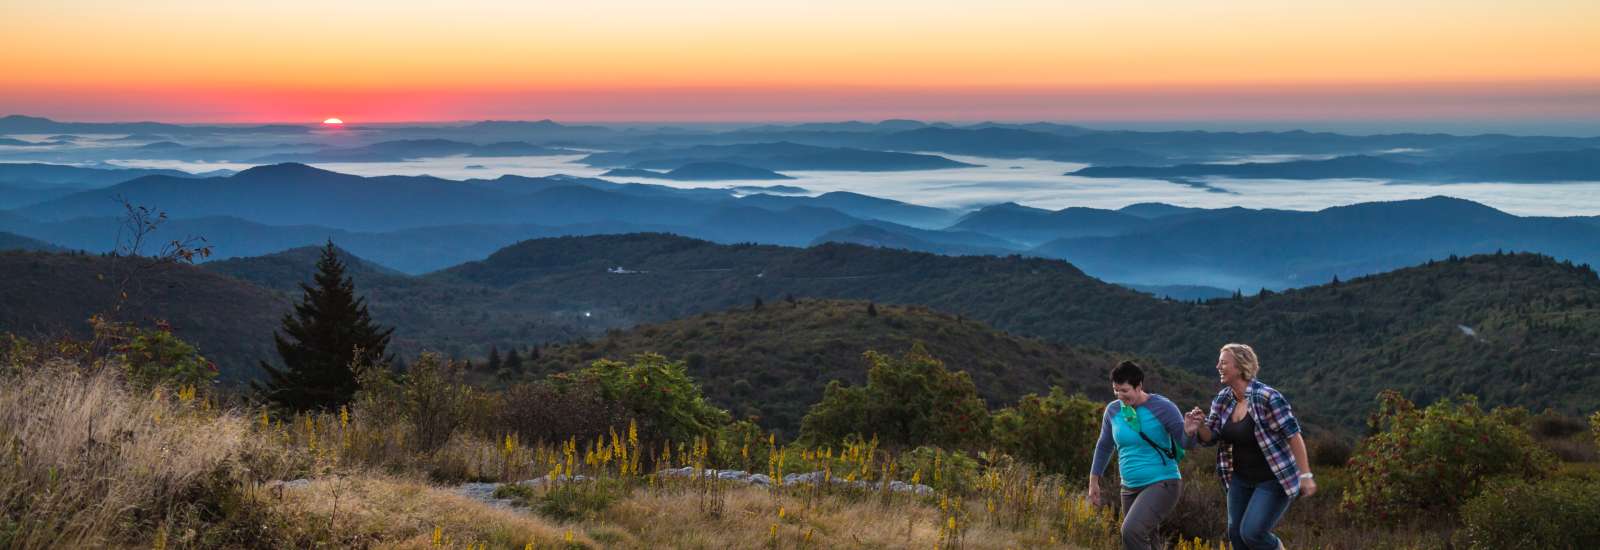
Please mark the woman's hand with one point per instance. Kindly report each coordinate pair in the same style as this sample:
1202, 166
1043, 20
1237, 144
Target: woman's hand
1308, 486
1193, 420
1094, 493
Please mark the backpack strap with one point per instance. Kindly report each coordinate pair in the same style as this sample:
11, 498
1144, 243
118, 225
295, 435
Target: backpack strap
1166, 453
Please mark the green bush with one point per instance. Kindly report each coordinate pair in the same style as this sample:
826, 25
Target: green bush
568, 501
742, 445
944, 470
656, 392
1056, 432
908, 401
1433, 460
431, 398
154, 357
1594, 427
551, 413
1514, 513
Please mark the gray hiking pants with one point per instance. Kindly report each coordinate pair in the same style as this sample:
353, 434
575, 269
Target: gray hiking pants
1143, 508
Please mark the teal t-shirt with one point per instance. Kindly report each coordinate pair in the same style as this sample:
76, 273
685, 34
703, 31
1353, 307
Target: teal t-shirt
1139, 463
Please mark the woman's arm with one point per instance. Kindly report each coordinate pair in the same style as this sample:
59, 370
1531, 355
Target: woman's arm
1280, 418
1206, 424
1102, 456
1202, 432
1302, 460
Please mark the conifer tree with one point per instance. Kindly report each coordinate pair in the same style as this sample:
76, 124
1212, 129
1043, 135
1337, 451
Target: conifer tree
513, 362
493, 365
319, 342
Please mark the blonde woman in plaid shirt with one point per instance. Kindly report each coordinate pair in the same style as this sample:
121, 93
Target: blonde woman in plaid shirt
1261, 457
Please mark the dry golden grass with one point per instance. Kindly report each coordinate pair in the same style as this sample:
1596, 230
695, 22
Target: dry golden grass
649, 519
85, 462
88, 463
388, 512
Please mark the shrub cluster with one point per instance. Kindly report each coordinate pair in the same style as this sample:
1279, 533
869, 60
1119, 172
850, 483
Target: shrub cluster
546, 412
1594, 427
1515, 513
909, 400
1432, 460
430, 398
1056, 432
657, 392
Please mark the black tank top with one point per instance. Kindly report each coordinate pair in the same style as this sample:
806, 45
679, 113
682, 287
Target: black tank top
1249, 463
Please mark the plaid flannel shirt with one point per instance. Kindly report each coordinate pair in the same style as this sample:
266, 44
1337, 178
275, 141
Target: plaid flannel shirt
1275, 424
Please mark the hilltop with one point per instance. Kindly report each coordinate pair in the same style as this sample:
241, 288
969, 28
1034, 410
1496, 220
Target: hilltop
1332, 345
1432, 330
231, 321
12, 241
774, 361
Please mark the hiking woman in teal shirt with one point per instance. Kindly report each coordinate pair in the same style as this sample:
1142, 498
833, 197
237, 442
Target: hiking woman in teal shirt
1147, 432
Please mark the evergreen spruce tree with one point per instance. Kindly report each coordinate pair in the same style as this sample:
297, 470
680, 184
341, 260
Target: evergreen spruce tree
494, 359
513, 362
319, 340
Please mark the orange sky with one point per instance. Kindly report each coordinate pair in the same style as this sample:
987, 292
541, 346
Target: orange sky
369, 60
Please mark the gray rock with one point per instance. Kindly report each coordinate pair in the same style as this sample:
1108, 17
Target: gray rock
480, 491
760, 479
291, 484
796, 479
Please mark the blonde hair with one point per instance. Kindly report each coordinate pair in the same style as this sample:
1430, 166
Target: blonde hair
1245, 359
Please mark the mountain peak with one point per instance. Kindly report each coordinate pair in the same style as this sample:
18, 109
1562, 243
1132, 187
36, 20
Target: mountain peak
284, 170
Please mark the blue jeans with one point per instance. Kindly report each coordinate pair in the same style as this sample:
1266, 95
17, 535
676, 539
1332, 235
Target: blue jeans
1253, 510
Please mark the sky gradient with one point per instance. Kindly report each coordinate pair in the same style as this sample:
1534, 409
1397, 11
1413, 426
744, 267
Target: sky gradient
629, 60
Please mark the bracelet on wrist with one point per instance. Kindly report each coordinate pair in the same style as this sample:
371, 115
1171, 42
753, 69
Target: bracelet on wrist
1306, 475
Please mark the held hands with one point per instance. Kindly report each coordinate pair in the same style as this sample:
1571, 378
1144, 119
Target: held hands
1193, 420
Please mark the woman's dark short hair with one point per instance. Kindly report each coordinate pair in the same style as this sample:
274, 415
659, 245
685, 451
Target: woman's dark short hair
1128, 373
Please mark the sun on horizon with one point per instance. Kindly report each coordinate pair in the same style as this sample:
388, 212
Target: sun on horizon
333, 122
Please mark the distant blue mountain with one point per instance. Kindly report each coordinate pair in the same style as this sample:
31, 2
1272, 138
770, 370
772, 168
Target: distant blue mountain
778, 156
13, 241
888, 235
1535, 167
1248, 249
1034, 226
19, 124
415, 250
296, 194
701, 171
50, 175
15, 196
795, 226
1154, 210
769, 189
860, 206
8, 142
399, 150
